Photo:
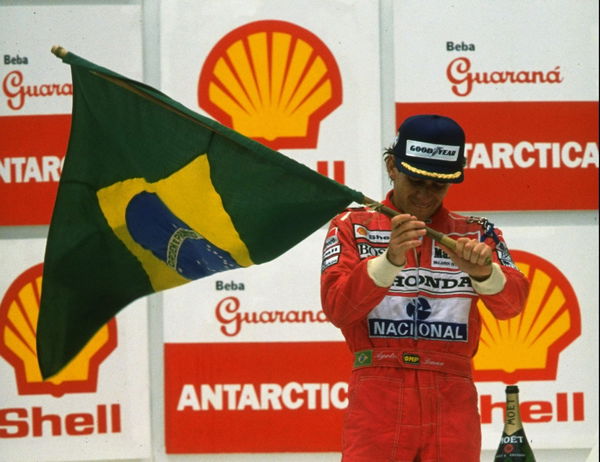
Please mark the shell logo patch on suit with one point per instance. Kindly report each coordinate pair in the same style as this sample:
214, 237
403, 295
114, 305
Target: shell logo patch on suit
528, 346
18, 320
272, 81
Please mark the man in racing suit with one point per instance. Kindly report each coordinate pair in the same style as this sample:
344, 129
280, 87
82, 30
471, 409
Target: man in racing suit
407, 306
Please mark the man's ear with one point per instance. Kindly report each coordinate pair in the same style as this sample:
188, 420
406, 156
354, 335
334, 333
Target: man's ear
391, 167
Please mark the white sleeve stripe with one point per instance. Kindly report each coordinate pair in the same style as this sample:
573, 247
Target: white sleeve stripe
493, 284
382, 271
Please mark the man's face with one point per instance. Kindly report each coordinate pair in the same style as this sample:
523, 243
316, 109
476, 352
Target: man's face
417, 196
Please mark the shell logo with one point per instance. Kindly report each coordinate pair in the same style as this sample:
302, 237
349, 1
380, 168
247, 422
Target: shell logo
18, 320
527, 346
362, 231
272, 81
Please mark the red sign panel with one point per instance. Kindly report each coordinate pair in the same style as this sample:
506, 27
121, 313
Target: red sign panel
32, 151
523, 155
255, 397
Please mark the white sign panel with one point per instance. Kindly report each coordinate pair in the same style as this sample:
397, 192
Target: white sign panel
554, 361
34, 81
36, 92
496, 51
99, 408
304, 84
277, 301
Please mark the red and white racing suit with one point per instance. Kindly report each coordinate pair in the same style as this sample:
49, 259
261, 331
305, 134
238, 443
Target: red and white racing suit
413, 332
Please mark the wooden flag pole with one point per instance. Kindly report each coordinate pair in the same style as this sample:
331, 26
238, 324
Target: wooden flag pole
432, 233
59, 51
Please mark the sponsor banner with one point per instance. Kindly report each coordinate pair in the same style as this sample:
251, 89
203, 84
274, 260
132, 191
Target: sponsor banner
282, 77
34, 81
252, 349
82, 412
277, 301
462, 52
36, 94
514, 164
254, 397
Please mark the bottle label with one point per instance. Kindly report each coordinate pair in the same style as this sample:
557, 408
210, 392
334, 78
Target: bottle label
514, 447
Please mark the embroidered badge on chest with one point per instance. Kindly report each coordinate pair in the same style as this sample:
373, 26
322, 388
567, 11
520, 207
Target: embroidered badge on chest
440, 259
422, 318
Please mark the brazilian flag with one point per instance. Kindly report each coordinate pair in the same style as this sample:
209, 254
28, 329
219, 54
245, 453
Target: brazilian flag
153, 195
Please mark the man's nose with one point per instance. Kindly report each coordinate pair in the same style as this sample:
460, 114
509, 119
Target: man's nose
425, 189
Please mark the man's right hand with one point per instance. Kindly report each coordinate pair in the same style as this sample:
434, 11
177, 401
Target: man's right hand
407, 232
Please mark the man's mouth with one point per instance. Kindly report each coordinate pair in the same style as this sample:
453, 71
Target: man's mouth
422, 205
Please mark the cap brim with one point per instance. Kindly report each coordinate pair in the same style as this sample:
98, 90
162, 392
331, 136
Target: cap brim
426, 172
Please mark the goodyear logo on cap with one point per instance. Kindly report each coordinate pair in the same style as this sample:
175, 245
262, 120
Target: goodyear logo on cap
432, 151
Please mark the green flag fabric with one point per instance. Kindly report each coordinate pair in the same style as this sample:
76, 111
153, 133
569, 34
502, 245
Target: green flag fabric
153, 195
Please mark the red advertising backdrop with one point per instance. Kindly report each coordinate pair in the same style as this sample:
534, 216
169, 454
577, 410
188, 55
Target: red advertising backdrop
523, 155
31, 153
255, 397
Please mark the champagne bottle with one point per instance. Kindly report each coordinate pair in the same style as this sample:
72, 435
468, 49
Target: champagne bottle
513, 444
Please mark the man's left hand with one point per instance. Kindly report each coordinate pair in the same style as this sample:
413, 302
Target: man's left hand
471, 256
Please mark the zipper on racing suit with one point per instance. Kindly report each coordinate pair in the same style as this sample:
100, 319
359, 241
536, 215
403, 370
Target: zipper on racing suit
418, 292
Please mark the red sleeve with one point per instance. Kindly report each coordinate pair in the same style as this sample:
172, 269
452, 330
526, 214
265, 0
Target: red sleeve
348, 293
510, 301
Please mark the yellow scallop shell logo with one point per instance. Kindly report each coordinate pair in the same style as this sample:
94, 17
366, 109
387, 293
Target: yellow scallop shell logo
19, 312
272, 81
527, 347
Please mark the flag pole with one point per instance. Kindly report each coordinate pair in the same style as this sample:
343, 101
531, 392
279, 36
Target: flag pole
432, 233
59, 51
